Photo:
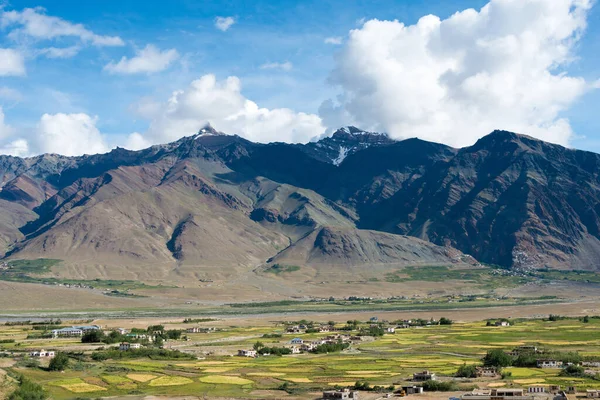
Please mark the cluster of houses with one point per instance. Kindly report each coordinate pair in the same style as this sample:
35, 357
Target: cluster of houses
198, 329
4, 266
331, 339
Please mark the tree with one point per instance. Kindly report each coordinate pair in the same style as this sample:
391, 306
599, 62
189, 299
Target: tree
574, 371
60, 362
158, 341
155, 328
93, 336
586, 319
497, 358
467, 371
174, 334
258, 345
445, 321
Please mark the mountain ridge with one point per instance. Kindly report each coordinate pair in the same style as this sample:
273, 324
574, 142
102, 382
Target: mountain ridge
509, 199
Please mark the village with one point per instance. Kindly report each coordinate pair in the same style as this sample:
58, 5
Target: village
329, 360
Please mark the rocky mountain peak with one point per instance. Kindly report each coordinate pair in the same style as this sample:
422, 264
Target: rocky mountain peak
345, 141
208, 130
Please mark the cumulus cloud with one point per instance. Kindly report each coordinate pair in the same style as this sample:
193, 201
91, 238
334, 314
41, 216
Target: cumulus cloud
457, 79
12, 63
147, 60
66, 134
337, 40
34, 23
221, 103
17, 148
284, 66
224, 23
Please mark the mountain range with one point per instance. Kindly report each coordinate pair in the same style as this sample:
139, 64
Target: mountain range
213, 204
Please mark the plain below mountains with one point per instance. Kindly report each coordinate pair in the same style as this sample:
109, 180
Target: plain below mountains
215, 205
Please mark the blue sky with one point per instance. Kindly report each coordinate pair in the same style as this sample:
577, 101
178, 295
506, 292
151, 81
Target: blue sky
264, 33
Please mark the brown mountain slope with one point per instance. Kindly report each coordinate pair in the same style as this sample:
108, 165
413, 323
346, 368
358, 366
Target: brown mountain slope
354, 249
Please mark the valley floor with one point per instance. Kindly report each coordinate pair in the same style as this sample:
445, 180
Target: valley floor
208, 368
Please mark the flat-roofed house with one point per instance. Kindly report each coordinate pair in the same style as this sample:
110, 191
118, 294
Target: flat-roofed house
42, 354
549, 364
424, 376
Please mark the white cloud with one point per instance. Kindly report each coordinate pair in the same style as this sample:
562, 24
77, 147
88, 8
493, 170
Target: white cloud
136, 141
17, 148
148, 60
222, 104
457, 79
11, 63
67, 134
5, 130
9, 146
59, 52
285, 66
224, 23
337, 40
10, 94
33, 22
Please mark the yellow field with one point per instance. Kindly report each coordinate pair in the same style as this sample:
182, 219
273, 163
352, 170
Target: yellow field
76, 385
115, 379
529, 381
217, 370
266, 374
141, 377
226, 380
341, 383
170, 381
83, 388
298, 380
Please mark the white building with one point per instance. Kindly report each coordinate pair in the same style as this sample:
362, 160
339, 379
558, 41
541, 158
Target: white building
497, 394
424, 376
42, 354
549, 364
247, 353
74, 331
125, 346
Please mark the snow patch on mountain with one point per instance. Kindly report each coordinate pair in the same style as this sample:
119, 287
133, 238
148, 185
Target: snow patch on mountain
341, 156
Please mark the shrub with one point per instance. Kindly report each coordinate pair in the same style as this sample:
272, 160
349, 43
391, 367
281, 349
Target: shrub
574, 371
467, 371
437, 386
497, 358
28, 390
60, 362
